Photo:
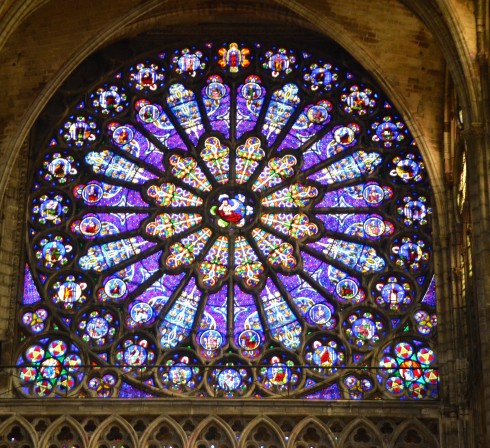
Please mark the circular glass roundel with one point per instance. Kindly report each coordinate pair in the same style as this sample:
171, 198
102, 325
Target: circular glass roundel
232, 219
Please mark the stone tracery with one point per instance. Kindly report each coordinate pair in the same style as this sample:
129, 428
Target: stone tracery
198, 228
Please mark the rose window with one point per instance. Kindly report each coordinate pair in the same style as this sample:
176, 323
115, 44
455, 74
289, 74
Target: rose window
234, 220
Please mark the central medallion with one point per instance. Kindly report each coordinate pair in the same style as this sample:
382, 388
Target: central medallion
232, 209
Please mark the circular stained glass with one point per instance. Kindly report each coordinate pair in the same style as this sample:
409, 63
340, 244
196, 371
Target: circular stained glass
179, 374
51, 367
246, 201
229, 379
211, 340
135, 355
324, 356
141, 312
102, 385
409, 366
320, 314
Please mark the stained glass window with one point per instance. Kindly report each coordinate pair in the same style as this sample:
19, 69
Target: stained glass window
230, 220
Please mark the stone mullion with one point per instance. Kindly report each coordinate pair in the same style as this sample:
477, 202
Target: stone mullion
12, 231
452, 344
479, 190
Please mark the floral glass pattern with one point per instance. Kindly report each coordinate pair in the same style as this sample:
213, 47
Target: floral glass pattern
230, 220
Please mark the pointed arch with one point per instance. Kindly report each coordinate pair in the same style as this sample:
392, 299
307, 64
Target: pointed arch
207, 424
8, 425
114, 423
361, 433
58, 426
305, 425
153, 432
427, 439
259, 424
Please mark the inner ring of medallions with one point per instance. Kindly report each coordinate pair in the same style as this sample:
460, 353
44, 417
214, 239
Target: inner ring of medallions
232, 209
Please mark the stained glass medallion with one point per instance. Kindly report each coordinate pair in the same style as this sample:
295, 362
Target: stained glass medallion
230, 220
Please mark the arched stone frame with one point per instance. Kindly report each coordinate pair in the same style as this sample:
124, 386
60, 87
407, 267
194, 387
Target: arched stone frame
157, 423
255, 424
315, 423
64, 74
20, 421
417, 426
114, 420
80, 88
58, 424
359, 423
202, 427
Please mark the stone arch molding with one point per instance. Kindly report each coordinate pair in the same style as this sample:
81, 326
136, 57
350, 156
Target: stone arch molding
58, 424
205, 424
316, 423
361, 423
16, 15
155, 425
136, 20
117, 421
245, 438
23, 423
